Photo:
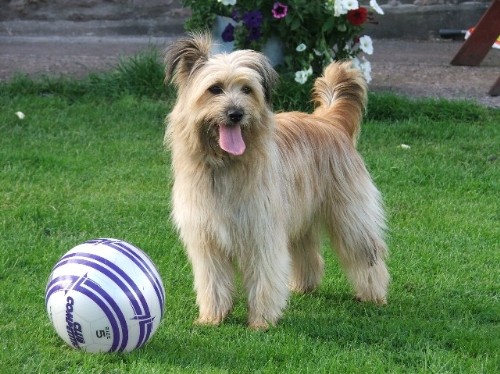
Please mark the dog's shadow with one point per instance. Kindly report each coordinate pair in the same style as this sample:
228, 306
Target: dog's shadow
427, 321
332, 316
325, 321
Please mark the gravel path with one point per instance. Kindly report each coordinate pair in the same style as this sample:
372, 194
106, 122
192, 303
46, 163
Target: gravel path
412, 68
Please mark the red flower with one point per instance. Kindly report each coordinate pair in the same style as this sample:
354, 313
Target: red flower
357, 16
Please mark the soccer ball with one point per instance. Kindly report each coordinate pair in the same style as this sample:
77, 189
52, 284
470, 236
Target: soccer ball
105, 295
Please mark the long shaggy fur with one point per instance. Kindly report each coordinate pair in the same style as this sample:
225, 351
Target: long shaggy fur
262, 210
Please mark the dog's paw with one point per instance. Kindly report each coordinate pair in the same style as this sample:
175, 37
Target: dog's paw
208, 321
375, 300
259, 325
302, 288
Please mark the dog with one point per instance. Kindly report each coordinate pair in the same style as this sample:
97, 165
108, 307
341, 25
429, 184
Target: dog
254, 191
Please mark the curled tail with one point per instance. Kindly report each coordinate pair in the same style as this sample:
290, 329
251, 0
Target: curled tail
340, 96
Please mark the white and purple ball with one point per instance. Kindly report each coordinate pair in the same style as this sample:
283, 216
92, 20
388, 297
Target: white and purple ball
105, 295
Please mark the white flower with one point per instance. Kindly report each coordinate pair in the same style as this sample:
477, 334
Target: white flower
301, 76
227, 2
20, 115
404, 146
301, 47
366, 44
351, 4
364, 65
343, 6
338, 9
376, 7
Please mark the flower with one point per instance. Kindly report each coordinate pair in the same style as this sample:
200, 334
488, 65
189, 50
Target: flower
343, 6
301, 76
311, 33
366, 44
301, 47
350, 4
376, 7
20, 115
228, 33
279, 10
357, 16
252, 19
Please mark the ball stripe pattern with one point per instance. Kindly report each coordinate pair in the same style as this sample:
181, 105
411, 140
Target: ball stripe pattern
131, 252
103, 267
95, 293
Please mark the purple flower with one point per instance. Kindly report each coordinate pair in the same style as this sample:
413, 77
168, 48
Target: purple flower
279, 10
253, 34
252, 19
228, 33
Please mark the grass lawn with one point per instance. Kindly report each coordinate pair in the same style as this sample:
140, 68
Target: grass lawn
87, 162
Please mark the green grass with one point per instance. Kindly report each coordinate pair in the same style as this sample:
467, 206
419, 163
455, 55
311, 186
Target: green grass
87, 161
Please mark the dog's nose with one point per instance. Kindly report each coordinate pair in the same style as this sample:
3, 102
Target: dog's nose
235, 115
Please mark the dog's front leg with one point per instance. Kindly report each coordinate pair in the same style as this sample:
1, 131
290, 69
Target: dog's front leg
266, 274
213, 283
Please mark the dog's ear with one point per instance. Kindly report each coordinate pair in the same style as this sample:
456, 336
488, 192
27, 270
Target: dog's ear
269, 76
185, 56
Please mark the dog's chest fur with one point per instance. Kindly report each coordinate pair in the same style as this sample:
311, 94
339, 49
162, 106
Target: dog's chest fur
234, 206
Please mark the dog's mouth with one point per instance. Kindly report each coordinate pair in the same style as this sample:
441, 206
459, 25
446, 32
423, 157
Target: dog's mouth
231, 139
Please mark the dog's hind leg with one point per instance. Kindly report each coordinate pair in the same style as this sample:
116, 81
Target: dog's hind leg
356, 231
364, 264
307, 263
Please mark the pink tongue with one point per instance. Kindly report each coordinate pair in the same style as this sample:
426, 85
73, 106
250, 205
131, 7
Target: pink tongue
230, 139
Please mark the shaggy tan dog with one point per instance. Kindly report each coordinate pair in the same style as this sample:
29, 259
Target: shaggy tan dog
253, 190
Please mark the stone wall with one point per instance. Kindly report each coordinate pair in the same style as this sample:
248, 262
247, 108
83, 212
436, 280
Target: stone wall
92, 17
86, 10
415, 19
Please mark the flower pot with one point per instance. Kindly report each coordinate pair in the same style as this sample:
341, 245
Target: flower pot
272, 49
219, 45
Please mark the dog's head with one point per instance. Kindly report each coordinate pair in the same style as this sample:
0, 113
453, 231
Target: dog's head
224, 101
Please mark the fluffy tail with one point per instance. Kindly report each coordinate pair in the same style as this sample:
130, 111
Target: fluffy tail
340, 96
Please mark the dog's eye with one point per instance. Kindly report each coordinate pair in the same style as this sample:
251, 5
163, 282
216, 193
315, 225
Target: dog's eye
246, 90
215, 90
